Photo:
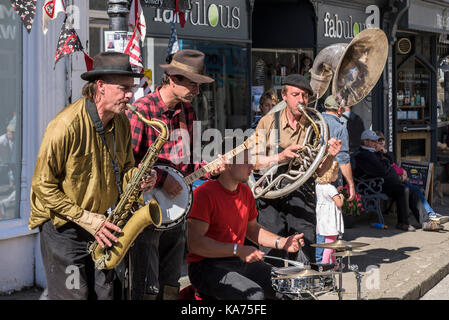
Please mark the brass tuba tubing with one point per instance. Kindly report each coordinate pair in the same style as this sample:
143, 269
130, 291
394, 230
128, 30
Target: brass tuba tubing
110, 257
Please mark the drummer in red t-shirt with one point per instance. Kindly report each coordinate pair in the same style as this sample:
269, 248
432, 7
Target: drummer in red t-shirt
223, 214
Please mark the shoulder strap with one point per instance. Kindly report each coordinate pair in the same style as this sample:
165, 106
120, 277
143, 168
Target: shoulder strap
277, 127
98, 125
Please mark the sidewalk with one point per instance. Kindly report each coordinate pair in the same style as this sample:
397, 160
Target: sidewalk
397, 265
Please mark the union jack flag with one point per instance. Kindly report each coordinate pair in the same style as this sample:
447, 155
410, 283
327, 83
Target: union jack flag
68, 42
137, 19
26, 11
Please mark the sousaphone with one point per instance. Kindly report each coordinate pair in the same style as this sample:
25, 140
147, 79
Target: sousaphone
355, 68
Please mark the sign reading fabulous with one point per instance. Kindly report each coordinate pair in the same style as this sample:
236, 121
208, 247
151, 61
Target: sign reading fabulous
206, 19
342, 24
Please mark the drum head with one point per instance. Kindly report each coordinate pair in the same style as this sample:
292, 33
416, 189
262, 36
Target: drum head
286, 271
174, 210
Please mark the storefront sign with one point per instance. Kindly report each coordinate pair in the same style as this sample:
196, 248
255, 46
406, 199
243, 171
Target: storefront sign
338, 24
167, 4
8, 25
427, 17
206, 19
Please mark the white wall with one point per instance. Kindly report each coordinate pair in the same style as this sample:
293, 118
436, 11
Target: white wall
44, 95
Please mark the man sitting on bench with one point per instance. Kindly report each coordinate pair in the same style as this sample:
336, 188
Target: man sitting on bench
371, 164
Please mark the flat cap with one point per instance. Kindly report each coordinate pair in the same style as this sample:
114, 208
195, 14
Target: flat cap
330, 103
299, 81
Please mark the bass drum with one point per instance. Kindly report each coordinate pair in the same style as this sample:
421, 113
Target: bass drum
174, 210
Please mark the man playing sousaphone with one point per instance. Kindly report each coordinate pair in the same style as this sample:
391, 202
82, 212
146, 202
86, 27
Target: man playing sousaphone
294, 212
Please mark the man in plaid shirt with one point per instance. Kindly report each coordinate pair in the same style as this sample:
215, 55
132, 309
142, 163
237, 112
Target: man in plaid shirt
157, 255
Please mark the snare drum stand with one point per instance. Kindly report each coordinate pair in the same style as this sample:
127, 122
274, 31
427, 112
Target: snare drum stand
358, 276
340, 280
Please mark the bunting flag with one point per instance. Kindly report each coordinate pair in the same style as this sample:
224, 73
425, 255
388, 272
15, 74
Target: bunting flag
133, 50
137, 19
173, 44
26, 10
50, 11
89, 61
68, 42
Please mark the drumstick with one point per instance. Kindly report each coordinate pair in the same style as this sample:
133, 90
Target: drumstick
295, 263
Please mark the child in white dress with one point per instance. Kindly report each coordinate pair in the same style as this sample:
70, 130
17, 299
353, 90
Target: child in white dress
329, 219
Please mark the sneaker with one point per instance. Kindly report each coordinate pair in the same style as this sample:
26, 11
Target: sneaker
431, 226
438, 218
405, 227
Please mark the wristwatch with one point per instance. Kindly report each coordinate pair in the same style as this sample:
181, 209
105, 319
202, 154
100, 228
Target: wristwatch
234, 251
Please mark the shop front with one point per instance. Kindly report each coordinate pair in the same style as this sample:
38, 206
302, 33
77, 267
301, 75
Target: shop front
340, 22
283, 42
421, 83
221, 30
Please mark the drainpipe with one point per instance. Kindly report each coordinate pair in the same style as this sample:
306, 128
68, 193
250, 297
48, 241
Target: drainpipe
388, 77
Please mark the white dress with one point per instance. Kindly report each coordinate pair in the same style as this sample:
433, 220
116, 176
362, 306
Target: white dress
329, 219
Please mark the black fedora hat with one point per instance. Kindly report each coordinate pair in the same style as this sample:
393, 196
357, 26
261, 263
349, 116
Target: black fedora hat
110, 63
188, 63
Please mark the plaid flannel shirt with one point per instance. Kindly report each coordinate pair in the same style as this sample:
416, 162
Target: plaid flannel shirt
182, 117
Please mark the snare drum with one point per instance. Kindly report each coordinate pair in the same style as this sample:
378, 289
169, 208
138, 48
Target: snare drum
304, 287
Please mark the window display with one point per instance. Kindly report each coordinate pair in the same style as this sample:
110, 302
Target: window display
413, 92
10, 125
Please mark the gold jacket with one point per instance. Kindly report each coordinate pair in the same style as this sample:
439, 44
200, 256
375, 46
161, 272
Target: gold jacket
73, 169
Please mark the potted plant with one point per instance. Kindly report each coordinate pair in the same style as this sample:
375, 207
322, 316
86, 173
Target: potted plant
351, 209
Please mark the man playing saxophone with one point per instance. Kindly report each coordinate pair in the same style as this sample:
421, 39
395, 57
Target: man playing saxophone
83, 163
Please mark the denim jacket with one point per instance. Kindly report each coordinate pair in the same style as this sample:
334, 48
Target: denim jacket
337, 129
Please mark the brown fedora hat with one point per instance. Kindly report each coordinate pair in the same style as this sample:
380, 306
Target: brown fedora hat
188, 63
110, 63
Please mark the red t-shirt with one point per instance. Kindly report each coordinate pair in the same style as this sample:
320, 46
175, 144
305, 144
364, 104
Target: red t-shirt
226, 212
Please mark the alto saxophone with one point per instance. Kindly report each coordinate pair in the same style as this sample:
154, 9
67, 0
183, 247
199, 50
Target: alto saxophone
132, 222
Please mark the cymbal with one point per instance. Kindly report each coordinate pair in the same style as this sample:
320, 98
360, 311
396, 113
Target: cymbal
339, 245
348, 253
304, 273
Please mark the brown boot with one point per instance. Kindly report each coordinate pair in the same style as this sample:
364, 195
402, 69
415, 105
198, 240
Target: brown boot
170, 293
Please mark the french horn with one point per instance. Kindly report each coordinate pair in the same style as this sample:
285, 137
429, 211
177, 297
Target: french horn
354, 69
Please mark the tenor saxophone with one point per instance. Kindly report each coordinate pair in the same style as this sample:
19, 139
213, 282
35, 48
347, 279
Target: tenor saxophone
123, 215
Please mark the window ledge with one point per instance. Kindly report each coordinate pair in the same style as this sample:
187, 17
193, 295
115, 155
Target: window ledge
15, 228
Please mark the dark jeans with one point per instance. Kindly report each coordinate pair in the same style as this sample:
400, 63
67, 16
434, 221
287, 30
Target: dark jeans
400, 194
69, 268
294, 213
156, 260
232, 279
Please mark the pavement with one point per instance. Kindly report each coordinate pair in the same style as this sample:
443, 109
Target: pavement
396, 265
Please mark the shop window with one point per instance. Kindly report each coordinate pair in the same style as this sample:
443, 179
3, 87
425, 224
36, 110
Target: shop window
413, 94
98, 23
270, 65
10, 119
221, 104
443, 109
